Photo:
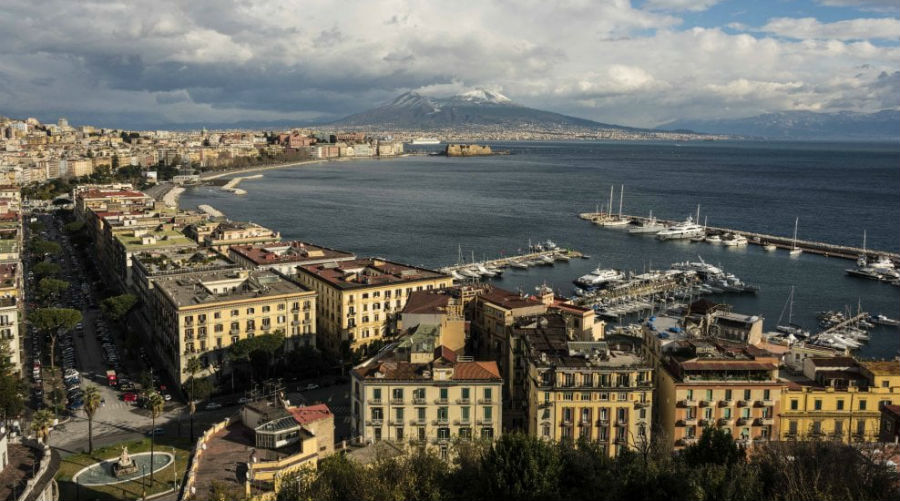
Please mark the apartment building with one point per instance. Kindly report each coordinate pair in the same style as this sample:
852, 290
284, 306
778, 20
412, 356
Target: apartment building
710, 382
10, 306
285, 256
567, 388
838, 398
440, 310
422, 394
359, 299
230, 233
201, 314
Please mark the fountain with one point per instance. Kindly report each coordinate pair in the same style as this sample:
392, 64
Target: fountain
124, 466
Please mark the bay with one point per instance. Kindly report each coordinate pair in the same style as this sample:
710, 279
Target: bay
419, 210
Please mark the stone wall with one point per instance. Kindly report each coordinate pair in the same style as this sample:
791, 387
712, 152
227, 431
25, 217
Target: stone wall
467, 150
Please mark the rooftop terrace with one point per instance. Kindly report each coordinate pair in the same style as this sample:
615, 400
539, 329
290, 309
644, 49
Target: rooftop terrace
217, 286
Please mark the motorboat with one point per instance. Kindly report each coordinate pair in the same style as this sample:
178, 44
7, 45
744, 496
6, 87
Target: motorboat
713, 239
599, 277
470, 273
457, 276
519, 265
686, 229
550, 245
734, 240
649, 226
484, 271
769, 247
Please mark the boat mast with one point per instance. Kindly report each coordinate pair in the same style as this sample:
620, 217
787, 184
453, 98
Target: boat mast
791, 307
796, 222
621, 198
611, 195
698, 214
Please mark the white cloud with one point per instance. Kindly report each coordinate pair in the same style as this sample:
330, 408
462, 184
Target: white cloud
610, 61
871, 5
851, 29
680, 5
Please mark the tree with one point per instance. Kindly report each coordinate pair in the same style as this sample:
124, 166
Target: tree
12, 388
45, 269
48, 287
520, 467
116, 307
36, 227
42, 424
192, 367
41, 247
715, 446
92, 400
50, 321
155, 403
73, 227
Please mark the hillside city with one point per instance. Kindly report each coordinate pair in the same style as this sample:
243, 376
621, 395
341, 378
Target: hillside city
156, 351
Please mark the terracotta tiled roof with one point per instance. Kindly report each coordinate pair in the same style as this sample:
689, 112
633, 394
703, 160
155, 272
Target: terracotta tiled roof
476, 371
310, 413
426, 302
833, 362
507, 299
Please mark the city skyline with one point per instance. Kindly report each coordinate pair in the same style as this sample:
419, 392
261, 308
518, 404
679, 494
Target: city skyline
630, 63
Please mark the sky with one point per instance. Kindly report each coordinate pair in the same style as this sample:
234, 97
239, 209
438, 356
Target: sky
639, 63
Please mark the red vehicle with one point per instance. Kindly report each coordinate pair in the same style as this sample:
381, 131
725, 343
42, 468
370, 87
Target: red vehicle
129, 397
111, 377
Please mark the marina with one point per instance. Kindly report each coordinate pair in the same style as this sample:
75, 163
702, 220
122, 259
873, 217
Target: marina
769, 242
541, 254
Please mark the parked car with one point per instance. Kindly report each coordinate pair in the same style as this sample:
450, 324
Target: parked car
155, 432
310, 386
129, 397
213, 406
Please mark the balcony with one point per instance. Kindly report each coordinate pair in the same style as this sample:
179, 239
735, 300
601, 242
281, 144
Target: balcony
485, 422
441, 422
743, 403
441, 401
374, 422
742, 421
396, 422
417, 422
689, 421
688, 441
724, 421
640, 405
234, 332
267, 327
295, 309
765, 403
397, 401
704, 403
486, 401
463, 401
375, 401
621, 423
440, 440
419, 401
688, 402
765, 421
726, 403
462, 422
603, 422
705, 422
295, 322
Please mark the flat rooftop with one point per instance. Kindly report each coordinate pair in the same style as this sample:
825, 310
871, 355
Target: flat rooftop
185, 260
367, 272
290, 252
507, 299
153, 239
217, 286
548, 344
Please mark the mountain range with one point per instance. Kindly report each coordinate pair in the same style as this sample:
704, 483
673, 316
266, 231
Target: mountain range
478, 107
802, 125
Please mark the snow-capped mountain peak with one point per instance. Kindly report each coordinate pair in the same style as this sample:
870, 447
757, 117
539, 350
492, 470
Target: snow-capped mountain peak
484, 96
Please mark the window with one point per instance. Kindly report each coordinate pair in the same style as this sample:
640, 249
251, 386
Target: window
399, 413
817, 405
862, 405
861, 427
251, 311
421, 434
266, 309
419, 394
420, 414
545, 430
840, 405
488, 413
465, 394
709, 395
487, 395
377, 413
792, 427
795, 404
464, 414
443, 433
400, 433
690, 395
567, 415
443, 394
838, 427
726, 413
487, 433
376, 394
397, 394
570, 379
442, 414
727, 394
235, 313
767, 394
747, 395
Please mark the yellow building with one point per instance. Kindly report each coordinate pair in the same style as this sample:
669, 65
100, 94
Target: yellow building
421, 394
838, 398
201, 314
231, 233
359, 299
601, 391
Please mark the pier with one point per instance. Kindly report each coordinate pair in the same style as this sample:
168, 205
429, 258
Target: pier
505, 261
787, 243
840, 326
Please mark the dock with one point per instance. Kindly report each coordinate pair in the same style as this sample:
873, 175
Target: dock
840, 326
505, 261
782, 242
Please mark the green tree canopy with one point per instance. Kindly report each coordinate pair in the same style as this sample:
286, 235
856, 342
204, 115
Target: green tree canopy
73, 227
40, 246
52, 319
116, 307
45, 269
50, 286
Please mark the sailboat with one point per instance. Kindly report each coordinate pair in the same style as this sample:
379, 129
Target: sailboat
795, 251
616, 221
791, 328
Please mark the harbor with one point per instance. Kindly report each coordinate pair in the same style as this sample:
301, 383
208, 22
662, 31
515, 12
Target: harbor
779, 242
541, 254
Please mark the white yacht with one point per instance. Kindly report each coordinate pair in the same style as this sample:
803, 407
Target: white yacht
648, 226
734, 240
702, 268
686, 229
769, 247
884, 267
599, 277
713, 239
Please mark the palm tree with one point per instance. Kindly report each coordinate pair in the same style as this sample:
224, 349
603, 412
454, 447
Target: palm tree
92, 401
42, 424
192, 367
155, 402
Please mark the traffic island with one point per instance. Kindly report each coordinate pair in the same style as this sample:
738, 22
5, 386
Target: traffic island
79, 475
